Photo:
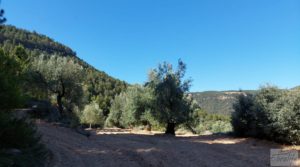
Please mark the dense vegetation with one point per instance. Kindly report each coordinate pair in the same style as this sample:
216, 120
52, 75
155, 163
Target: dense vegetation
42, 53
40, 73
272, 113
204, 122
19, 142
163, 103
78, 92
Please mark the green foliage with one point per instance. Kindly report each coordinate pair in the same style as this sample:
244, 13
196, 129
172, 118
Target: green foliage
101, 88
243, 117
131, 108
272, 113
214, 123
116, 110
35, 43
21, 135
169, 88
29, 46
61, 76
287, 121
92, 115
10, 72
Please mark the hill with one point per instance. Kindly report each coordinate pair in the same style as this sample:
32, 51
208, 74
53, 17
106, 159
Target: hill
218, 102
99, 85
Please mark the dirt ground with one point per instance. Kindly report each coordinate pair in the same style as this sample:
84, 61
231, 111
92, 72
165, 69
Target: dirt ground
123, 148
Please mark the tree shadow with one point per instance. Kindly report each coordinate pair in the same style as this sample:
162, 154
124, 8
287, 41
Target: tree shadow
123, 148
165, 150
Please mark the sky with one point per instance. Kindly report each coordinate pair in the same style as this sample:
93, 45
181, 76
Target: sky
226, 44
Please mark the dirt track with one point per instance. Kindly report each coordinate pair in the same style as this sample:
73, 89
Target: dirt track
71, 149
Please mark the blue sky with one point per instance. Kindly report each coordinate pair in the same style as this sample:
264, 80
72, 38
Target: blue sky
227, 44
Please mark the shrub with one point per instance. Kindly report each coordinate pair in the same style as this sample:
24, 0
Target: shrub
243, 116
271, 113
288, 119
20, 143
214, 123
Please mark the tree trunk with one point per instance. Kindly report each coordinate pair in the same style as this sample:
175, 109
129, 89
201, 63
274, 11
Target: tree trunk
90, 126
170, 129
148, 127
59, 104
59, 97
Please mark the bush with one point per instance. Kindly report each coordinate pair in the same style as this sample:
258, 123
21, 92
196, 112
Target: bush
288, 119
214, 123
272, 114
243, 117
20, 143
221, 127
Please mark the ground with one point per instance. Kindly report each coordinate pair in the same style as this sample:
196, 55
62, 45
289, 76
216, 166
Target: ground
123, 148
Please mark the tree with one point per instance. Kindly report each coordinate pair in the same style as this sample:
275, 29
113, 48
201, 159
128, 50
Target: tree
92, 114
288, 119
116, 110
243, 116
10, 74
170, 107
129, 108
61, 76
271, 113
102, 89
16, 133
2, 18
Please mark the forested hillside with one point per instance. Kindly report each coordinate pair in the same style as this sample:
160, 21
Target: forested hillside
53, 83
98, 86
11, 36
218, 102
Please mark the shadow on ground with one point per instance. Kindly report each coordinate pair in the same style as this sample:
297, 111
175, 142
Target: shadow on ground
125, 149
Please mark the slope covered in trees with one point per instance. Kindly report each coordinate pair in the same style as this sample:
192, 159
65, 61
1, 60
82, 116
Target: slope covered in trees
97, 85
11, 36
218, 102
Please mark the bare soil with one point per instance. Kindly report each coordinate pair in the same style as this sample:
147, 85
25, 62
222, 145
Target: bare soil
113, 147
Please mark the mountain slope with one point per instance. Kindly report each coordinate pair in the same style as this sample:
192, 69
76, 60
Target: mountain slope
99, 85
219, 102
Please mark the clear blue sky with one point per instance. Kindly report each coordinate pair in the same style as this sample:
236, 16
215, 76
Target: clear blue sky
227, 44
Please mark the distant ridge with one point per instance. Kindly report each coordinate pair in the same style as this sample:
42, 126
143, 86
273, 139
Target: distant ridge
218, 102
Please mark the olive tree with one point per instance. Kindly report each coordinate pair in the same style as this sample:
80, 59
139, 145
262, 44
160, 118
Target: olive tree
170, 106
92, 115
130, 107
61, 76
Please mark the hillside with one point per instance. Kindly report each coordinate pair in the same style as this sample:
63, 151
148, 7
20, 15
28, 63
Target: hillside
220, 102
99, 85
